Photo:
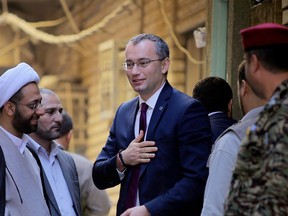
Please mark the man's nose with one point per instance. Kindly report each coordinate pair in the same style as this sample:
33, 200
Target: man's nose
135, 69
40, 110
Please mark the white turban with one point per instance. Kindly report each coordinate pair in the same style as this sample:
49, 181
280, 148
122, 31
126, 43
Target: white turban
14, 79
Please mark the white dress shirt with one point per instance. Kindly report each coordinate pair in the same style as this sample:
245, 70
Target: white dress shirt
55, 177
151, 102
21, 145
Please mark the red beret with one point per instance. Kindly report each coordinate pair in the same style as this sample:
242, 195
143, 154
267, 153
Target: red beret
264, 35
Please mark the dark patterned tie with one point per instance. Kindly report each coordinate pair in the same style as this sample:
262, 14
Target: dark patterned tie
133, 186
2, 183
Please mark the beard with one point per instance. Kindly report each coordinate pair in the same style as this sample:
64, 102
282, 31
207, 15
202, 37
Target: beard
22, 124
47, 134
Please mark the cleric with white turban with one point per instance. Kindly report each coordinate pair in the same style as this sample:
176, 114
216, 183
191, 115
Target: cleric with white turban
14, 79
20, 176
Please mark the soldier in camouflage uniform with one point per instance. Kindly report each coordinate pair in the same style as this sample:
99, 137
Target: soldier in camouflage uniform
260, 180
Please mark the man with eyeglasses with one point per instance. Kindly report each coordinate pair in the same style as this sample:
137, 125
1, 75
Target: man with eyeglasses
161, 169
60, 175
21, 192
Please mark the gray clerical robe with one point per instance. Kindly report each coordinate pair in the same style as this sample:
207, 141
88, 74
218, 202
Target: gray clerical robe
24, 193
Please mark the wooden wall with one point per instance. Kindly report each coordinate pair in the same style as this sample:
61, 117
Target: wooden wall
87, 74
285, 12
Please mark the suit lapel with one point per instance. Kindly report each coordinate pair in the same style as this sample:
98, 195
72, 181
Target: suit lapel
158, 112
130, 119
48, 193
69, 178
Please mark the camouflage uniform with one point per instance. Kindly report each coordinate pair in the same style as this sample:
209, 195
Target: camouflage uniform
260, 180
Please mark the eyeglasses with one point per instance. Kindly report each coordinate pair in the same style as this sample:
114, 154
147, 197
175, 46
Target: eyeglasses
32, 106
142, 63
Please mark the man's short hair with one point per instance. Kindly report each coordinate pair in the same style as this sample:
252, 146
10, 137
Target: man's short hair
67, 124
214, 93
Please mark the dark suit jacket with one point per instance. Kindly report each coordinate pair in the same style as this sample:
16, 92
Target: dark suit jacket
69, 171
173, 182
219, 123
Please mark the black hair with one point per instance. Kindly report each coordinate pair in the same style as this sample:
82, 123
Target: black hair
67, 124
162, 48
214, 93
273, 58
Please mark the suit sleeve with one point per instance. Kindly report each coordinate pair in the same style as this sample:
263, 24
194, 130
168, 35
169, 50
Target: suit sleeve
104, 169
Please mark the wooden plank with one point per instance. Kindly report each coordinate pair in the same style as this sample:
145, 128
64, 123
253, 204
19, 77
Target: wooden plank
284, 4
285, 17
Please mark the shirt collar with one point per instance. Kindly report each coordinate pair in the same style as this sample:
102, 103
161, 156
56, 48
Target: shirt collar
212, 113
151, 102
20, 143
55, 148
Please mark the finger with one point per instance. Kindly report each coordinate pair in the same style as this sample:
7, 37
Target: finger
147, 155
139, 137
147, 144
126, 213
150, 149
151, 155
142, 161
146, 158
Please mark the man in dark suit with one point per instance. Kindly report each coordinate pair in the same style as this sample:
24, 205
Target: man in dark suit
216, 95
60, 175
173, 153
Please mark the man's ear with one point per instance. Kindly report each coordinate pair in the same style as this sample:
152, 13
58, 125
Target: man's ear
244, 88
165, 65
230, 105
254, 64
9, 107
